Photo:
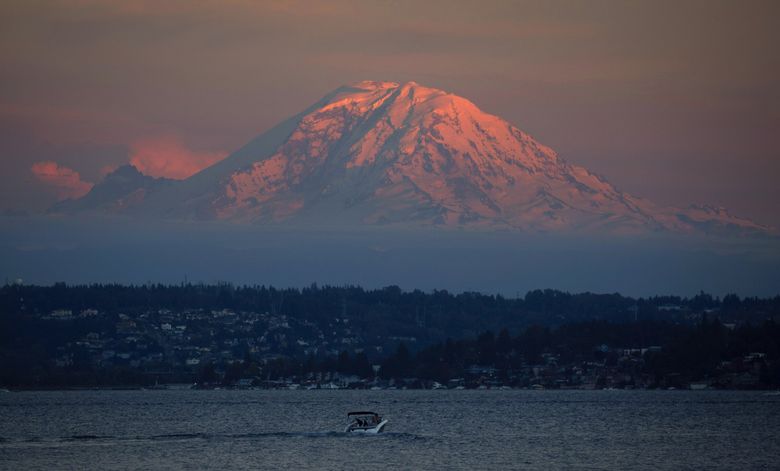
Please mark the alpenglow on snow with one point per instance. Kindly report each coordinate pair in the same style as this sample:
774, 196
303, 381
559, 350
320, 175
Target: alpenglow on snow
405, 155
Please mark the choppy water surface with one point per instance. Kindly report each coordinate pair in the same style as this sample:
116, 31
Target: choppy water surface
182, 429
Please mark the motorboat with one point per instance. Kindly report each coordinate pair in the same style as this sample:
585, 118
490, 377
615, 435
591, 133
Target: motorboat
365, 422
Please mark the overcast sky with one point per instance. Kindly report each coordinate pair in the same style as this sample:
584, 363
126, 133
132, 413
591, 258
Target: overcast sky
675, 101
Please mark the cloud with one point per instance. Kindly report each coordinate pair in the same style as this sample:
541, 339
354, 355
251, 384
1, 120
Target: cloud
65, 181
166, 156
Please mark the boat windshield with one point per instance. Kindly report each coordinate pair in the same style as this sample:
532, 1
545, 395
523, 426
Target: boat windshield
364, 419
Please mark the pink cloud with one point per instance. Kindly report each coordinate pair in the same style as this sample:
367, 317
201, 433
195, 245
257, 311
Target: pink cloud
166, 156
65, 181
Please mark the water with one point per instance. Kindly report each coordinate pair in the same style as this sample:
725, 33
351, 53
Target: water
183, 429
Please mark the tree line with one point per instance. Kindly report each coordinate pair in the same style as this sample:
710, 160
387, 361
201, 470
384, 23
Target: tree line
689, 353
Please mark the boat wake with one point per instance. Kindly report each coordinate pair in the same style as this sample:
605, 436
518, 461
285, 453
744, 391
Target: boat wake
108, 439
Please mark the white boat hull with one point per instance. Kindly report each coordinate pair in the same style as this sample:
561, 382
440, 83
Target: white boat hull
351, 428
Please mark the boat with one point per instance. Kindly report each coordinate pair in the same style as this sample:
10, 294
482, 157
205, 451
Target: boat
365, 422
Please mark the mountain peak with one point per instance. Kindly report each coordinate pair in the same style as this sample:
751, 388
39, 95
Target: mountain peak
126, 171
121, 190
376, 152
372, 85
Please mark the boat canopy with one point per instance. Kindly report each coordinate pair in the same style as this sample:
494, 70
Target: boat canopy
361, 413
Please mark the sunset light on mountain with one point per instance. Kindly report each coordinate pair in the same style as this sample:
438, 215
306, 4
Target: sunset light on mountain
397, 234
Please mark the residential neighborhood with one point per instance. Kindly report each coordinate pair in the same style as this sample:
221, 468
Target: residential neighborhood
692, 344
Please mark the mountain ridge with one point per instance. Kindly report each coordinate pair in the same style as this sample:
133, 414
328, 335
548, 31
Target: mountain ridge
405, 154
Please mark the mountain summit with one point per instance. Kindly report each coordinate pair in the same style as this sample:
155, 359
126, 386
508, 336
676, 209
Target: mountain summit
389, 153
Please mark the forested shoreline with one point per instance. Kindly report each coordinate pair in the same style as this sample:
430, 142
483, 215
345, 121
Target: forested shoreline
257, 336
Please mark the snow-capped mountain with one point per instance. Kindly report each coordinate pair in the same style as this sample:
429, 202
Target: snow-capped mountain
405, 154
